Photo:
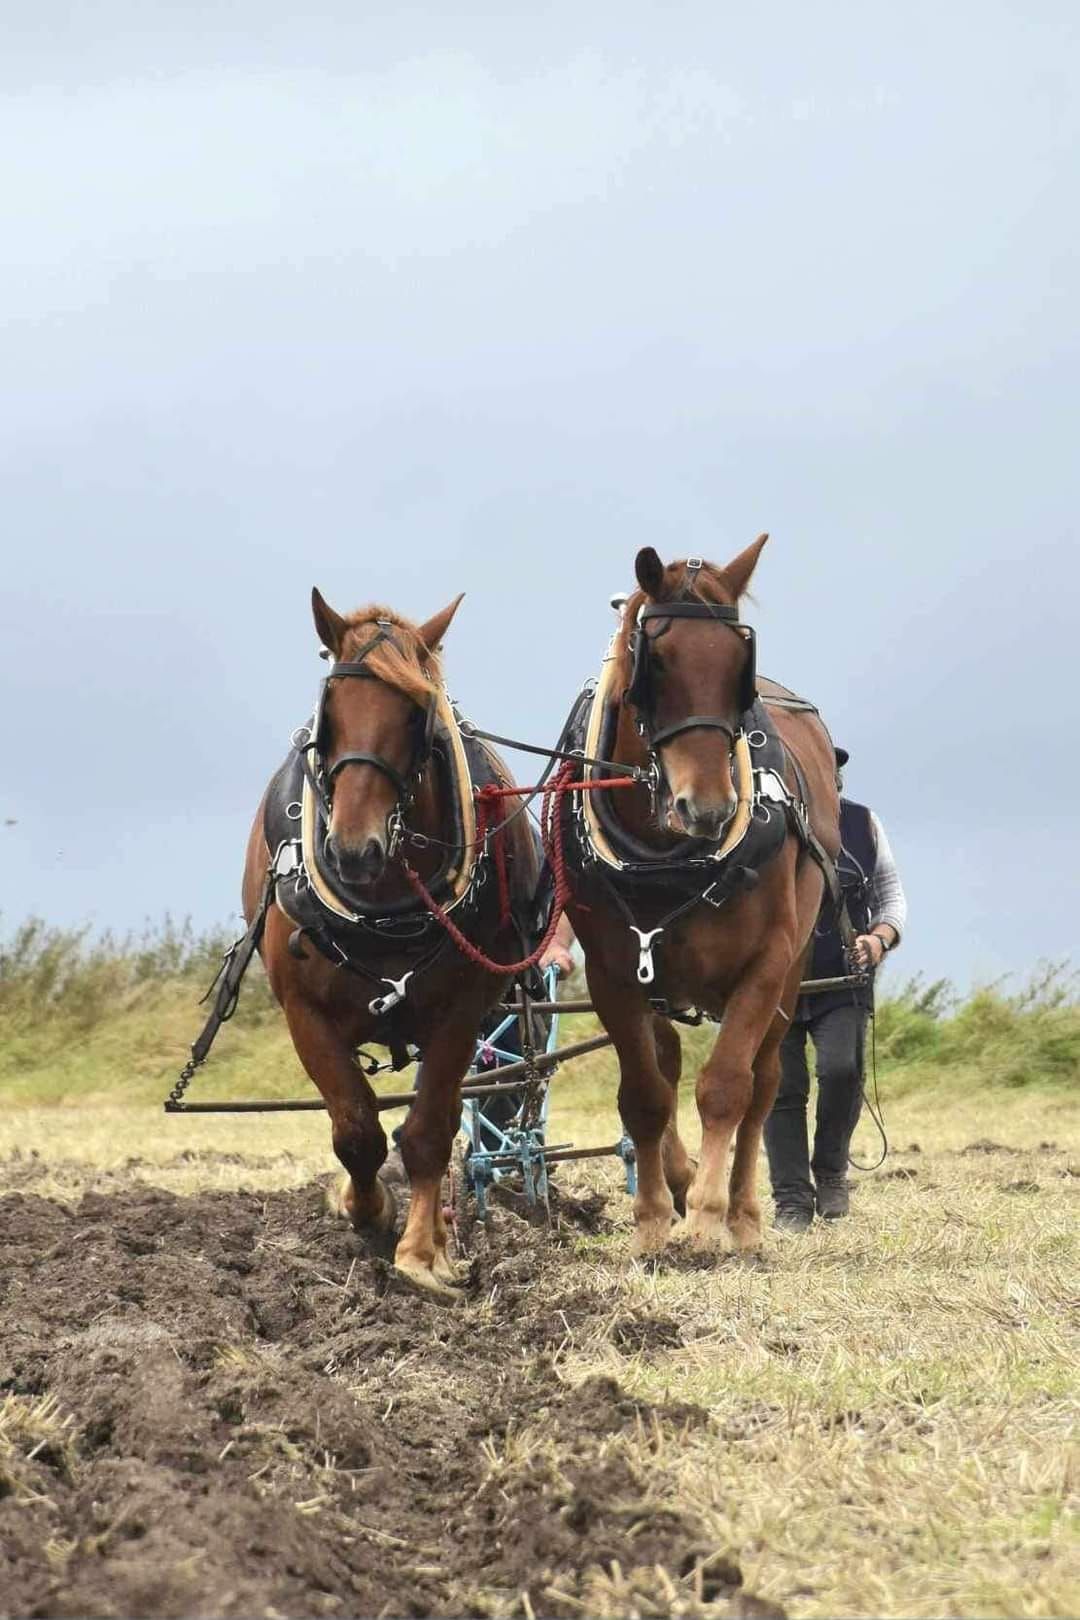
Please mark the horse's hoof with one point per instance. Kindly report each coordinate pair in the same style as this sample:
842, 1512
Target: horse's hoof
386, 1219
340, 1201
708, 1232
650, 1236
454, 1272
745, 1233
423, 1278
335, 1199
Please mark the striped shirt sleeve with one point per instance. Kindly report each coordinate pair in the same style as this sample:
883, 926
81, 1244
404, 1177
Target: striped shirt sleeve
888, 903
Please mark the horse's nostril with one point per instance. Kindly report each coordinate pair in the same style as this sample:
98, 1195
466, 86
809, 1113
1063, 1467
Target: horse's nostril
361, 865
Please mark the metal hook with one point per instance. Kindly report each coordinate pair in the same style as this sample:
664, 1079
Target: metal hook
392, 998
396, 828
646, 972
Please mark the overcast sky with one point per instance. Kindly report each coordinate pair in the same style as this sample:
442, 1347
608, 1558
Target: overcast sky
415, 299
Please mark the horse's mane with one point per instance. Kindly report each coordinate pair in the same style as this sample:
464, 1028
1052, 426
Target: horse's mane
405, 663
709, 585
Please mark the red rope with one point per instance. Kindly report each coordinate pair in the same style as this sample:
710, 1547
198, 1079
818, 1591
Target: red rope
486, 800
552, 832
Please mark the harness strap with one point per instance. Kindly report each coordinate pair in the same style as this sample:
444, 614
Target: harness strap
696, 722
377, 762
800, 824
469, 730
799, 705
229, 977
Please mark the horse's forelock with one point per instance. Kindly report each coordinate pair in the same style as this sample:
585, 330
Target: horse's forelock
404, 663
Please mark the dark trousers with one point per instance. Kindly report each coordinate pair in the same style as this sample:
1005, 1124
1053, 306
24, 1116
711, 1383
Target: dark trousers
838, 1036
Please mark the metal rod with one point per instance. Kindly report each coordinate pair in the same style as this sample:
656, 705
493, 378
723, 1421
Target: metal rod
267, 1107
549, 1006
404, 1099
554, 1156
542, 1060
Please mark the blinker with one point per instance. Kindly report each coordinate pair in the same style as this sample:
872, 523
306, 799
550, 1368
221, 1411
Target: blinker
639, 691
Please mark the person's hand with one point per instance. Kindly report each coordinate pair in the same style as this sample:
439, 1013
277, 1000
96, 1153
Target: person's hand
558, 957
869, 951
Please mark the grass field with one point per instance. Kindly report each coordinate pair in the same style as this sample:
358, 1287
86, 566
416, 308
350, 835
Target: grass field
893, 1398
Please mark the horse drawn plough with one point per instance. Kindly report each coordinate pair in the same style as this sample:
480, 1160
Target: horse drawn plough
689, 833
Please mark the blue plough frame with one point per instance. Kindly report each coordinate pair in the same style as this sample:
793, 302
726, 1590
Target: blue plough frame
494, 1151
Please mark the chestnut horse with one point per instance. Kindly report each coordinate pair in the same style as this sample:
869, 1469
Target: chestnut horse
383, 760
667, 920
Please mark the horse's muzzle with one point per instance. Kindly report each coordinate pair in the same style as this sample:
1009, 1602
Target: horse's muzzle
704, 821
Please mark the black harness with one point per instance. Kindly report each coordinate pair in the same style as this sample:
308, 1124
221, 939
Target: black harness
648, 880
309, 741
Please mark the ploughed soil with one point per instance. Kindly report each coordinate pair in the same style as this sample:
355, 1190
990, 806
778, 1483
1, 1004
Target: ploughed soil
256, 1416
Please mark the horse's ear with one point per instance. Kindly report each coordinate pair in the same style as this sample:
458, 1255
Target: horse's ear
650, 571
330, 626
737, 574
432, 633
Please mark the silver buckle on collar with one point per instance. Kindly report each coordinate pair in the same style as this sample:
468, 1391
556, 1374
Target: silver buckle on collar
769, 786
287, 860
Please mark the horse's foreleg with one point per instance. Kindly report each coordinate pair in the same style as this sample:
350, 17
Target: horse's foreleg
359, 1139
678, 1165
744, 1210
645, 1099
427, 1138
725, 1093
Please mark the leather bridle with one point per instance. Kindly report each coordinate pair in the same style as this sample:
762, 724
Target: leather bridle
640, 692
322, 774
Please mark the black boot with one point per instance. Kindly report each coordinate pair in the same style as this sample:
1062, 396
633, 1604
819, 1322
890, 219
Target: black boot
789, 1167
839, 1040
832, 1197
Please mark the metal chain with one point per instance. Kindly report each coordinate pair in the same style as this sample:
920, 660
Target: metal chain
174, 1102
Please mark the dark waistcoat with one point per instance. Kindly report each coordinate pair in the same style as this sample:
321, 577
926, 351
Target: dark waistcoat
858, 859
